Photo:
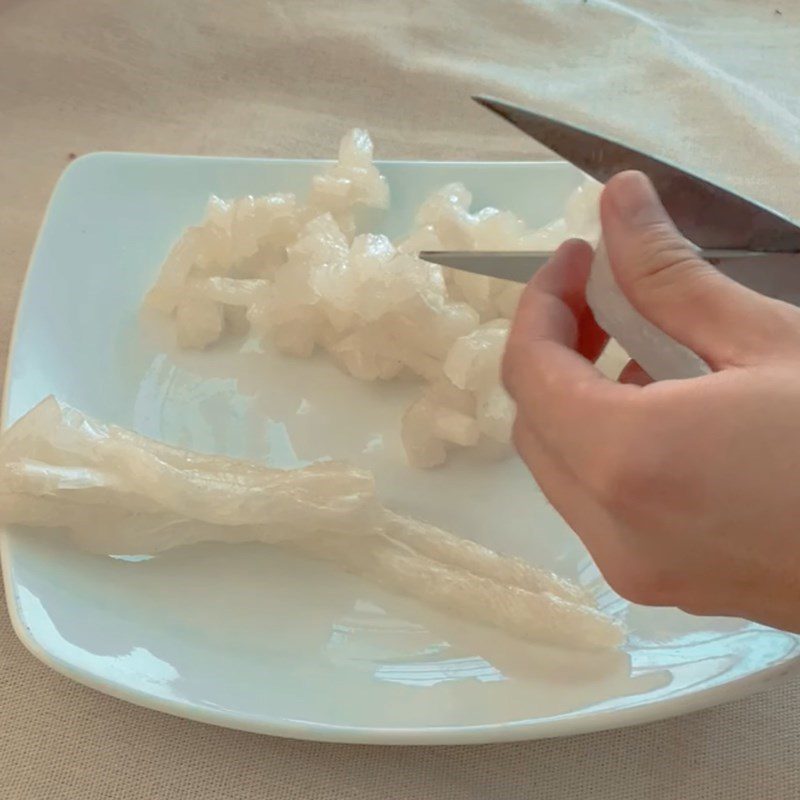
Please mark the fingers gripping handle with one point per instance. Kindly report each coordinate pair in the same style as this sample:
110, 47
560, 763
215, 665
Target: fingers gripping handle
658, 354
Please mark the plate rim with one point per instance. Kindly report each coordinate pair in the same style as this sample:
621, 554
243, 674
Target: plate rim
571, 723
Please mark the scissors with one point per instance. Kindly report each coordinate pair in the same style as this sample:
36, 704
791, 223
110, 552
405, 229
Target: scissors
747, 241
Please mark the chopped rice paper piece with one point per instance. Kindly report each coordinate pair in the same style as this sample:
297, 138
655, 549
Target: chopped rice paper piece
367, 356
506, 296
581, 213
354, 181
495, 413
468, 403
229, 291
199, 320
232, 235
428, 427
473, 362
422, 238
376, 310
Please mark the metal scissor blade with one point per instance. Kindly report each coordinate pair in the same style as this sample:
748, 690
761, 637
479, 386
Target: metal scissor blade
520, 265
705, 213
772, 274
510, 266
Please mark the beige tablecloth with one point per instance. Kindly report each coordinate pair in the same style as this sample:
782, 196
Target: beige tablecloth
715, 83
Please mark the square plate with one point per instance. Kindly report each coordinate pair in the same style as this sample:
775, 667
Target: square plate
245, 636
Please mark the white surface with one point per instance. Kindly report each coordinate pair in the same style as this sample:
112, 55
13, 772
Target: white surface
243, 635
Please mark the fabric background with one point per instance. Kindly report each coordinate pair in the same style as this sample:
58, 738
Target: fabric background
714, 83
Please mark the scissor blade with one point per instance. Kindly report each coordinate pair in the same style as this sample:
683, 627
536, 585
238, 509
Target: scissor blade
704, 212
510, 266
520, 265
773, 274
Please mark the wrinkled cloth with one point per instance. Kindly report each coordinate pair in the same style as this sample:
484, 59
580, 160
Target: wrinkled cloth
714, 84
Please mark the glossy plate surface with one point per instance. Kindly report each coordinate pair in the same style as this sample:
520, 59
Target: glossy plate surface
244, 636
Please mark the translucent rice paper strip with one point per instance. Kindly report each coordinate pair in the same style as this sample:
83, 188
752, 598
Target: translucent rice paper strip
124, 493
121, 493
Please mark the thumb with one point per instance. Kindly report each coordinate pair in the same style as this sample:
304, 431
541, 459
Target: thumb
670, 285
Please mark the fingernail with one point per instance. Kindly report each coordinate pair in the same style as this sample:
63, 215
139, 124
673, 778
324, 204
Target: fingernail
633, 198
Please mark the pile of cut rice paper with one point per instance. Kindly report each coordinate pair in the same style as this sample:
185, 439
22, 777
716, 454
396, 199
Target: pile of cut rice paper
303, 276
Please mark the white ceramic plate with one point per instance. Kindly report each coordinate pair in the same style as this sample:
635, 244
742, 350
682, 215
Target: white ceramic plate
249, 638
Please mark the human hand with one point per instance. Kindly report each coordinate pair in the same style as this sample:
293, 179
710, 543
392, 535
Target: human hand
685, 492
